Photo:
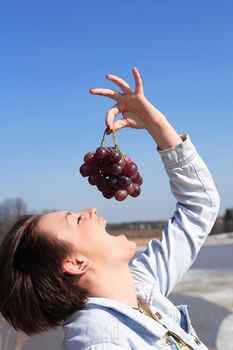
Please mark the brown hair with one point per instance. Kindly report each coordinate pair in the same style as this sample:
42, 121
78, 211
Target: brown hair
35, 295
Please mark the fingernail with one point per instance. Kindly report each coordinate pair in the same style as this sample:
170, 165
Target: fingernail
90, 90
108, 130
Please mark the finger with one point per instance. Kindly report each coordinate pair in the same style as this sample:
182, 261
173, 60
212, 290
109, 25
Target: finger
119, 82
138, 81
107, 93
111, 114
121, 123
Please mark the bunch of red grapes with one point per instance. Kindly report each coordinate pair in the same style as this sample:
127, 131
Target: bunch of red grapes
114, 174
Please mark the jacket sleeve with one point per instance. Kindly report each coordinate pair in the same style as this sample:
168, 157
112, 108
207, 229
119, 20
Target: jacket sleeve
166, 260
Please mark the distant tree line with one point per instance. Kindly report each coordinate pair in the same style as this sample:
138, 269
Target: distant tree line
10, 209
141, 225
224, 224
145, 228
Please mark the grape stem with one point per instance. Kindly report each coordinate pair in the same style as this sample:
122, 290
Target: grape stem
103, 141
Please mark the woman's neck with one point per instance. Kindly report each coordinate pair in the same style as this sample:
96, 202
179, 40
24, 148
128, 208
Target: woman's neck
116, 284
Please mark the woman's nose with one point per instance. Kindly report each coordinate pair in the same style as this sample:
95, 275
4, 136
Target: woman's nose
92, 212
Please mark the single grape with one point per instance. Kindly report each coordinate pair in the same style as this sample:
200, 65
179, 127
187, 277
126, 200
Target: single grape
139, 181
85, 170
108, 193
120, 195
130, 169
124, 181
93, 179
133, 190
100, 152
88, 158
115, 169
114, 155
137, 190
136, 178
130, 189
102, 183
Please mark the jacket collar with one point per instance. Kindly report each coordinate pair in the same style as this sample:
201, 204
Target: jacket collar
127, 315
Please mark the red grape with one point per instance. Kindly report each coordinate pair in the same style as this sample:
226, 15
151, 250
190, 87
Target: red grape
139, 181
102, 183
133, 190
108, 193
101, 152
136, 178
93, 179
130, 169
114, 155
85, 170
115, 169
120, 195
124, 181
88, 158
113, 174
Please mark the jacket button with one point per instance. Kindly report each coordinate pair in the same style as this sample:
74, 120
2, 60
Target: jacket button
197, 340
158, 315
167, 342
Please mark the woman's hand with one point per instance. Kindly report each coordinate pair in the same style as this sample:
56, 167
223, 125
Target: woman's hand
129, 103
137, 112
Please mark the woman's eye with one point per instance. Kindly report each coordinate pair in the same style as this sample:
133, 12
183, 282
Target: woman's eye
79, 218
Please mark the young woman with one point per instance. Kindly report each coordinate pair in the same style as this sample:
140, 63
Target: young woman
63, 267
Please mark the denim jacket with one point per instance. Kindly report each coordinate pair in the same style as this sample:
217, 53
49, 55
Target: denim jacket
105, 324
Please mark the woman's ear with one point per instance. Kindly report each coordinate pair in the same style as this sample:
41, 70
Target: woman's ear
75, 266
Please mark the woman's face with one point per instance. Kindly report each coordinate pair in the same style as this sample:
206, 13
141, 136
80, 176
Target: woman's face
86, 231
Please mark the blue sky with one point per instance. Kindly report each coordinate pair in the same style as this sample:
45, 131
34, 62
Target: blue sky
52, 52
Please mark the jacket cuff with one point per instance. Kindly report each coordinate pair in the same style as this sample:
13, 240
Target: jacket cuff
179, 155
